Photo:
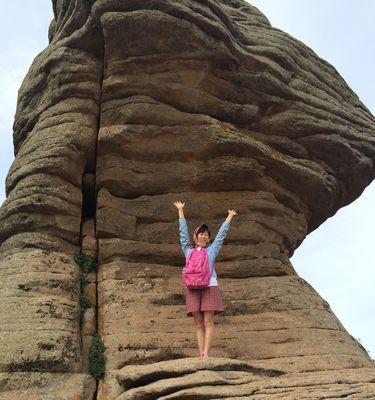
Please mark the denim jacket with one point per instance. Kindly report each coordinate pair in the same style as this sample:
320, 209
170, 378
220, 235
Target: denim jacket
212, 249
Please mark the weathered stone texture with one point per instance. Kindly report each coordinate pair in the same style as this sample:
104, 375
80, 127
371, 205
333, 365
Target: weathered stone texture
136, 104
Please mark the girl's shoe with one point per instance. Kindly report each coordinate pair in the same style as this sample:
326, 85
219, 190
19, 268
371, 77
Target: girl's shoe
204, 356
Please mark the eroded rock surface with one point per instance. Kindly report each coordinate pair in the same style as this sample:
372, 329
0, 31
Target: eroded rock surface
222, 378
134, 105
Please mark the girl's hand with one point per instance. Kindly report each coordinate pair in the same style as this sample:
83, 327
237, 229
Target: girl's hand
179, 205
231, 213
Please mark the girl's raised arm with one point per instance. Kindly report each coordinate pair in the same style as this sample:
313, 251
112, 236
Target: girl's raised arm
183, 229
217, 244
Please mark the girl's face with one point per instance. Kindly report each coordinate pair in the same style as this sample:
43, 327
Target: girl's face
202, 239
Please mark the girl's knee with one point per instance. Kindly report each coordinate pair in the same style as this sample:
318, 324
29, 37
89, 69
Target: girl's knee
199, 325
198, 319
208, 318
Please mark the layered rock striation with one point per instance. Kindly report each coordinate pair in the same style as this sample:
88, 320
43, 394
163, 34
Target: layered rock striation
134, 105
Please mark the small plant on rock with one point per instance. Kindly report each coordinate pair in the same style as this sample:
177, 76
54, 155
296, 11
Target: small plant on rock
97, 357
86, 265
86, 262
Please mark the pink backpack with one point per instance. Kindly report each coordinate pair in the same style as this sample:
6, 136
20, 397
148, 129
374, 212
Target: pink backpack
197, 274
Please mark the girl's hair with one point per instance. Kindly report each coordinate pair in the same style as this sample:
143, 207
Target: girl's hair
200, 229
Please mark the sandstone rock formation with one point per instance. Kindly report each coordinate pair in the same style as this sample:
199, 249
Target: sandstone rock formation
136, 104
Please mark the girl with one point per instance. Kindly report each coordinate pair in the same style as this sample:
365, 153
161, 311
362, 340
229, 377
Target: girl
204, 303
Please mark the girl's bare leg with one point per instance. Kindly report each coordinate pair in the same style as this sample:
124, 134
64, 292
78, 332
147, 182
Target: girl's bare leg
209, 330
199, 324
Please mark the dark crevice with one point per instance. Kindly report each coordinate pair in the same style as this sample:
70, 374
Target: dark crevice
92, 199
89, 203
88, 196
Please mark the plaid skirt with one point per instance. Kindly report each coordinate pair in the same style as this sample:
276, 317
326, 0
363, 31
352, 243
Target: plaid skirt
206, 299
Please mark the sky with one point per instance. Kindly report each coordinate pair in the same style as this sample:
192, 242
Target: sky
336, 259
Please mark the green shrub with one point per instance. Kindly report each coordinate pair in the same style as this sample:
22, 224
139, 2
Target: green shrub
97, 357
86, 262
84, 301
